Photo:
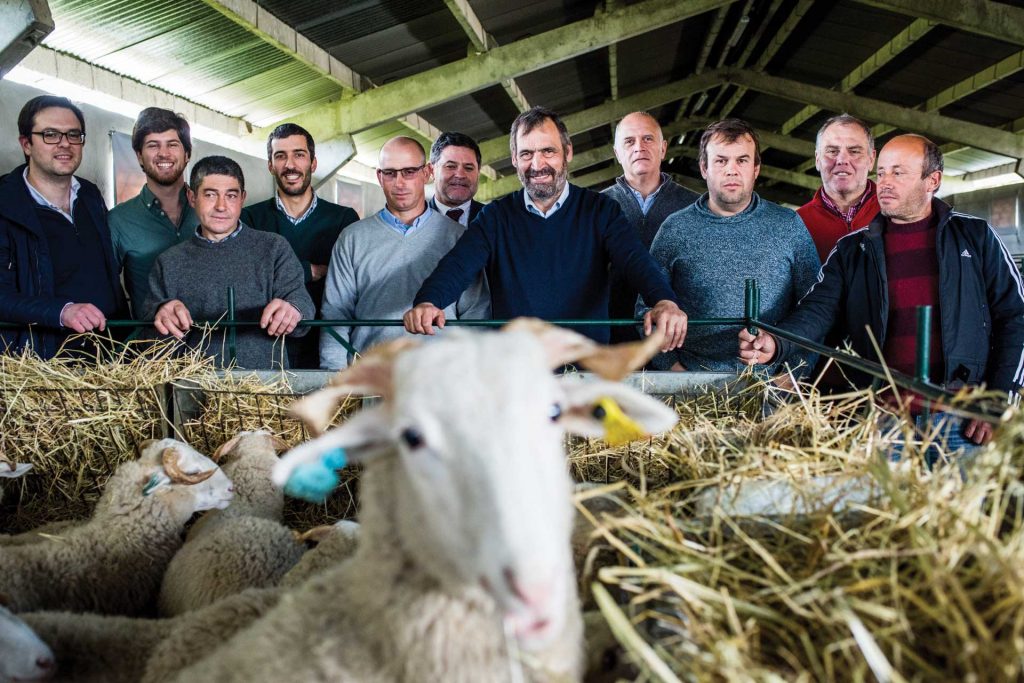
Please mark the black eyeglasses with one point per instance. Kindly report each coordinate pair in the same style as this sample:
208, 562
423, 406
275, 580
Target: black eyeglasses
53, 137
407, 173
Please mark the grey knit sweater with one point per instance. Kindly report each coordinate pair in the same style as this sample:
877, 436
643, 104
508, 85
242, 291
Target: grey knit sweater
259, 265
375, 272
671, 197
707, 257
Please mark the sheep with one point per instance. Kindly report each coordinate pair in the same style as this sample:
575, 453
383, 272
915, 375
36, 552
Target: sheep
23, 655
113, 563
463, 571
242, 546
335, 543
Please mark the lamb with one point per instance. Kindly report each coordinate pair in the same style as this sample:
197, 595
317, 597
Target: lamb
335, 543
114, 562
23, 655
242, 546
463, 571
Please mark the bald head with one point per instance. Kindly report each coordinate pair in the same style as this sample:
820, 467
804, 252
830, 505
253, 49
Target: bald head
640, 148
402, 172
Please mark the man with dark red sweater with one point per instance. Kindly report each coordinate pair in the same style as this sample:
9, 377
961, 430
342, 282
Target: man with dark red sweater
546, 248
844, 153
917, 252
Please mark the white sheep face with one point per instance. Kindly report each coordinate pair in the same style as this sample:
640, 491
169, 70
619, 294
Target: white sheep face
23, 656
483, 496
214, 492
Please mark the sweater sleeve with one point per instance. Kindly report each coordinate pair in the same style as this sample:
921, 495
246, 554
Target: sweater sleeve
663, 251
157, 294
289, 283
456, 271
340, 295
628, 255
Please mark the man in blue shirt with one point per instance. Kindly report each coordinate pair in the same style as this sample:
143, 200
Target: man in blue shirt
546, 249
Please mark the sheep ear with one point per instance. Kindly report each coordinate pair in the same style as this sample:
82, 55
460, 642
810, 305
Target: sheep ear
371, 375
225, 448
363, 435
616, 361
612, 411
157, 481
562, 346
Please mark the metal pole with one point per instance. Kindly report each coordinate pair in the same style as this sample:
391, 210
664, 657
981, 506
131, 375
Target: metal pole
232, 348
924, 352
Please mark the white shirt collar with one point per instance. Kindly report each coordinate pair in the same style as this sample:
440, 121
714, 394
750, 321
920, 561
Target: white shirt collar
43, 201
444, 209
534, 209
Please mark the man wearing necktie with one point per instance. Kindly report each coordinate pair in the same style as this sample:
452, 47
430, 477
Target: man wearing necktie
455, 160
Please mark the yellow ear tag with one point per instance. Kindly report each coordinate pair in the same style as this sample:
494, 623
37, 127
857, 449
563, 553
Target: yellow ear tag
619, 428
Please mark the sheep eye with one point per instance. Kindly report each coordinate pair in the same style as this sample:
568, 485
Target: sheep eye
555, 412
412, 438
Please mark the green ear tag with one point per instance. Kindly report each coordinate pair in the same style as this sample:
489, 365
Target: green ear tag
619, 428
153, 482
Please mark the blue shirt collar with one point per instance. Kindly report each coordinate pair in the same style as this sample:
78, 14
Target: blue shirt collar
396, 223
532, 208
43, 201
291, 219
645, 204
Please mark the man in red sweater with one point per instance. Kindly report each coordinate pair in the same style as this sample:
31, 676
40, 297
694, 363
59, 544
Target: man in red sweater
844, 153
918, 252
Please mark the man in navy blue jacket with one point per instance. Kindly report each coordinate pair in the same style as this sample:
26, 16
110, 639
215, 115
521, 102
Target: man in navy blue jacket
546, 249
60, 275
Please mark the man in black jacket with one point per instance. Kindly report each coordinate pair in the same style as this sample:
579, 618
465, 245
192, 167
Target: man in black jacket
60, 274
918, 251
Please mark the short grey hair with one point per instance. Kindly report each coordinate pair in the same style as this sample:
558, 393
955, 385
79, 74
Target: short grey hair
844, 119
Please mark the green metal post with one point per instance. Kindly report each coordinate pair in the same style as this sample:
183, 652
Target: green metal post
748, 304
232, 348
924, 350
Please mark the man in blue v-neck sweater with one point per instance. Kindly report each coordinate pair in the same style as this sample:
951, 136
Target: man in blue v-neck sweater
546, 249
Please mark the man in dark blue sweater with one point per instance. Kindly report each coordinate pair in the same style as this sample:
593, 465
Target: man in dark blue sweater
59, 275
546, 249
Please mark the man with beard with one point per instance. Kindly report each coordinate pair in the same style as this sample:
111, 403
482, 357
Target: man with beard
729, 234
60, 274
546, 249
159, 216
455, 161
310, 224
647, 197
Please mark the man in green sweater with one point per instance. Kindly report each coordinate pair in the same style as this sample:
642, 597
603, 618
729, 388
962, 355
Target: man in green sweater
159, 216
190, 280
309, 223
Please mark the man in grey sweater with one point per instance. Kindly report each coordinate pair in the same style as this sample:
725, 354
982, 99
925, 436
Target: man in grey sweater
191, 279
709, 249
647, 197
379, 263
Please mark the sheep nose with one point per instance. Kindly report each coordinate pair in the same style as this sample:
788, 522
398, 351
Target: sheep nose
45, 663
231, 489
532, 595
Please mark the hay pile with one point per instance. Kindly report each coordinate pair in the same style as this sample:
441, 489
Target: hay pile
77, 421
925, 581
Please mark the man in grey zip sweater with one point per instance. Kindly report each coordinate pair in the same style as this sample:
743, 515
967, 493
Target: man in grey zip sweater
647, 197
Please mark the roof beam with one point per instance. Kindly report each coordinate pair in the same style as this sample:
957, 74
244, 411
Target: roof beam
929, 123
23, 25
992, 19
595, 177
465, 76
496, 149
904, 39
483, 41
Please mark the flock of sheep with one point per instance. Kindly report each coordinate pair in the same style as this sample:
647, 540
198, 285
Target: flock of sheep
459, 570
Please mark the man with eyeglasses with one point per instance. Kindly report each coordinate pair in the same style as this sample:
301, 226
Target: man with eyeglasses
58, 272
379, 263
546, 250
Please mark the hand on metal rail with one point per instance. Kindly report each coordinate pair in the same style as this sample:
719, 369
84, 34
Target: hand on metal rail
422, 318
979, 432
83, 318
667, 316
757, 350
173, 318
279, 318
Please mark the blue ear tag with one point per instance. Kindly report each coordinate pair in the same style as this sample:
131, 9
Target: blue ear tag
153, 482
314, 481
